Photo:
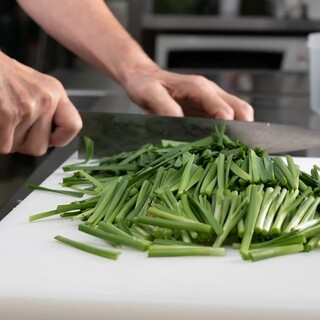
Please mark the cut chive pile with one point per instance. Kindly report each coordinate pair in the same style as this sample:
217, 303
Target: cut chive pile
194, 198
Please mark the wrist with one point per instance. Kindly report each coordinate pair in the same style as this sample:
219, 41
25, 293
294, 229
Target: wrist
133, 62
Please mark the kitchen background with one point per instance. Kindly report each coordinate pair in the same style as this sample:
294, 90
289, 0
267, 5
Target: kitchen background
256, 49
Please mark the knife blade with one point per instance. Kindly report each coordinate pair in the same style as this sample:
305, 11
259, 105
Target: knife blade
113, 133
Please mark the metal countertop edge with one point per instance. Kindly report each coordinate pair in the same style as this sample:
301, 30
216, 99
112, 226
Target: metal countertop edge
54, 159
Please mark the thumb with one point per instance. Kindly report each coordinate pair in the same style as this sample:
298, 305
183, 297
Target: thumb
67, 122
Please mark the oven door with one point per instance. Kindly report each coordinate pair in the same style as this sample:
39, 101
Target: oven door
232, 52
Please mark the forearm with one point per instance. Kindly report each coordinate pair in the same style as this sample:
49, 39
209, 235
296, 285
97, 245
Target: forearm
90, 30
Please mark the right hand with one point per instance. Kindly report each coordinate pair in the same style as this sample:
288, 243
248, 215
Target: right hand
174, 94
30, 104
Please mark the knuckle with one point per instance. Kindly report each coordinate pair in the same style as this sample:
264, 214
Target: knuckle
200, 81
74, 119
225, 114
78, 125
8, 116
47, 99
74, 127
35, 151
6, 145
145, 87
51, 92
54, 83
22, 102
246, 109
5, 148
8, 122
27, 107
39, 152
54, 90
142, 92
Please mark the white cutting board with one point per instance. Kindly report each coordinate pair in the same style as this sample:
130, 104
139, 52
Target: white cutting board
42, 279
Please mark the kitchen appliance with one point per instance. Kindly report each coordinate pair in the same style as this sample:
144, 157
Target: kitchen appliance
231, 52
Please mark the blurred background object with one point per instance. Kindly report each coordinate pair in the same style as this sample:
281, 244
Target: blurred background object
313, 9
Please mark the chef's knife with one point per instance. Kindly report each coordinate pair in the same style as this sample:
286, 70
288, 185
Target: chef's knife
114, 133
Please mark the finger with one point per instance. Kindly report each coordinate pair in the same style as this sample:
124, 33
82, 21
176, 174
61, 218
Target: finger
242, 110
218, 108
15, 111
6, 138
21, 132
67, 123
212, 104
157, 100
199, 97
36, 139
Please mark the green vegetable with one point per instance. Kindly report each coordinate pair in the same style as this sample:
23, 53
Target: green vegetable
255, 201
31, 186
260, 254
114, 238
90, 249
194, 198
42, 215
184, 250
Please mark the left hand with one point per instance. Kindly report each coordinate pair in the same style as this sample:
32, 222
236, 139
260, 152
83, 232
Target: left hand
172, 94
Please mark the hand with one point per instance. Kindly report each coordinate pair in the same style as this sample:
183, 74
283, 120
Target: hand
30, 103
167, 93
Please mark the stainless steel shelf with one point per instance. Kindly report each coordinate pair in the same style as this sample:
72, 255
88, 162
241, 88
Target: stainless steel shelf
213, 24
